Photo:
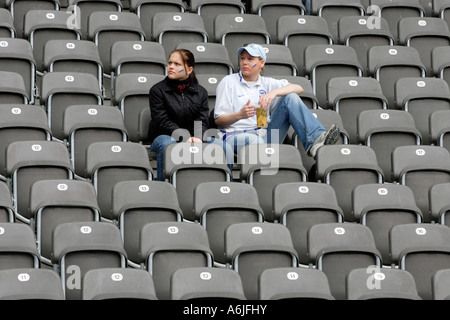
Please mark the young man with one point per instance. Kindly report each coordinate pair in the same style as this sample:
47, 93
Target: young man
238, 95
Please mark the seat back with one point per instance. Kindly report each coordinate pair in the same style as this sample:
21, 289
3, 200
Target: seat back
279, 61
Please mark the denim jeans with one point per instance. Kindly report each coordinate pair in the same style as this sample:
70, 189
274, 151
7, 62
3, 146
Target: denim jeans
307, 4
290, 111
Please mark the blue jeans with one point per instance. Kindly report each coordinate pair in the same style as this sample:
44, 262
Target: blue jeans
307, 4
290, 111
162, 141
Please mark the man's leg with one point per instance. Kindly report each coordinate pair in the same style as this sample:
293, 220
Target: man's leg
158, 146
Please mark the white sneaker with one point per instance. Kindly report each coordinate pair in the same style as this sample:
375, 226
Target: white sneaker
328, 137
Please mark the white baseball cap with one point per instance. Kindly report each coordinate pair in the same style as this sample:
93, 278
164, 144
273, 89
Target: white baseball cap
253, 49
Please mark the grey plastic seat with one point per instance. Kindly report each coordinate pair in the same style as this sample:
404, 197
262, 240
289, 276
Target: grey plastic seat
439, 63
210, 9
31, 161
7, 28
7, 211
271, 11
169, 246
421, 167
85, 124
73, 56
308, 97
266, 165
53, 202
30, 284
383, 131
235, 30
18, 247
421, 249
252, 247
324, 62
440, 285
387, 284
40, 26
299, 31
294, 284
82, 246
420, 97
138, 57
146, 10
110, 162
424, 34
438, 199
118, 284
13, 89
210, 58
186, 165
338, 248
349, 96
394, 11
19, 8
300, 205
439, 128
62, 89
344, 167
138, 202
362, 33
441, 10
333, 11
16, 55
84, 8
131, 96
21, 122
200, 283
387, 64
380, 207
220, 204
171, 28
280, 61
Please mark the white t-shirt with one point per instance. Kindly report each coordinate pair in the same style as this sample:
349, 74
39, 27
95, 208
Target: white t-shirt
233, 92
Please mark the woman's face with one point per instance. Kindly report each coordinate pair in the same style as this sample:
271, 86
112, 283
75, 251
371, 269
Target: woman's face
176, 68
250, 66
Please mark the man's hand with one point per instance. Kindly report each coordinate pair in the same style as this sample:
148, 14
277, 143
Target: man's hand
194, 140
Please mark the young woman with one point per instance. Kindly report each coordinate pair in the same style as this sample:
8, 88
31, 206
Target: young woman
238, 95
179, 107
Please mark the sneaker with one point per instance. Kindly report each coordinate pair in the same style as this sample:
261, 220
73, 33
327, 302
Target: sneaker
328, 137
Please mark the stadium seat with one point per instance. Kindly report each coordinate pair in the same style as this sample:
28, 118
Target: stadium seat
441, 10
421, 249
82, 246
439, 62
204, 283
420, 97
12, 89
7, 28
383, 131
7, 211
323, 62
30, 284
53, 202
135, 203
169, 246
31, 161
337, 163
266, 165
438, 199
421, 167
381, 284
62, 89
21, 122
85, 124
300, 205
294, 284
110, 162
380, 207
439, 128
338, 248
220, 204
349, 96
253, 247
118, 284
280, 61
440, 285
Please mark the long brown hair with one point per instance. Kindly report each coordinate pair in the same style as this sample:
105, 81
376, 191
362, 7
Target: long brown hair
189, 60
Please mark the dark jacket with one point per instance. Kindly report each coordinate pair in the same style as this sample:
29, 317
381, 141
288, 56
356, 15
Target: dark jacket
171, 110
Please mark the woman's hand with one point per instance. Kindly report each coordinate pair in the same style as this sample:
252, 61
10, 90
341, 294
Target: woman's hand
247, 111
194, 140
266, 99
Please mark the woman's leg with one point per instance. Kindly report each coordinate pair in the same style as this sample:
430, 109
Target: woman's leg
158, 146
291, 111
